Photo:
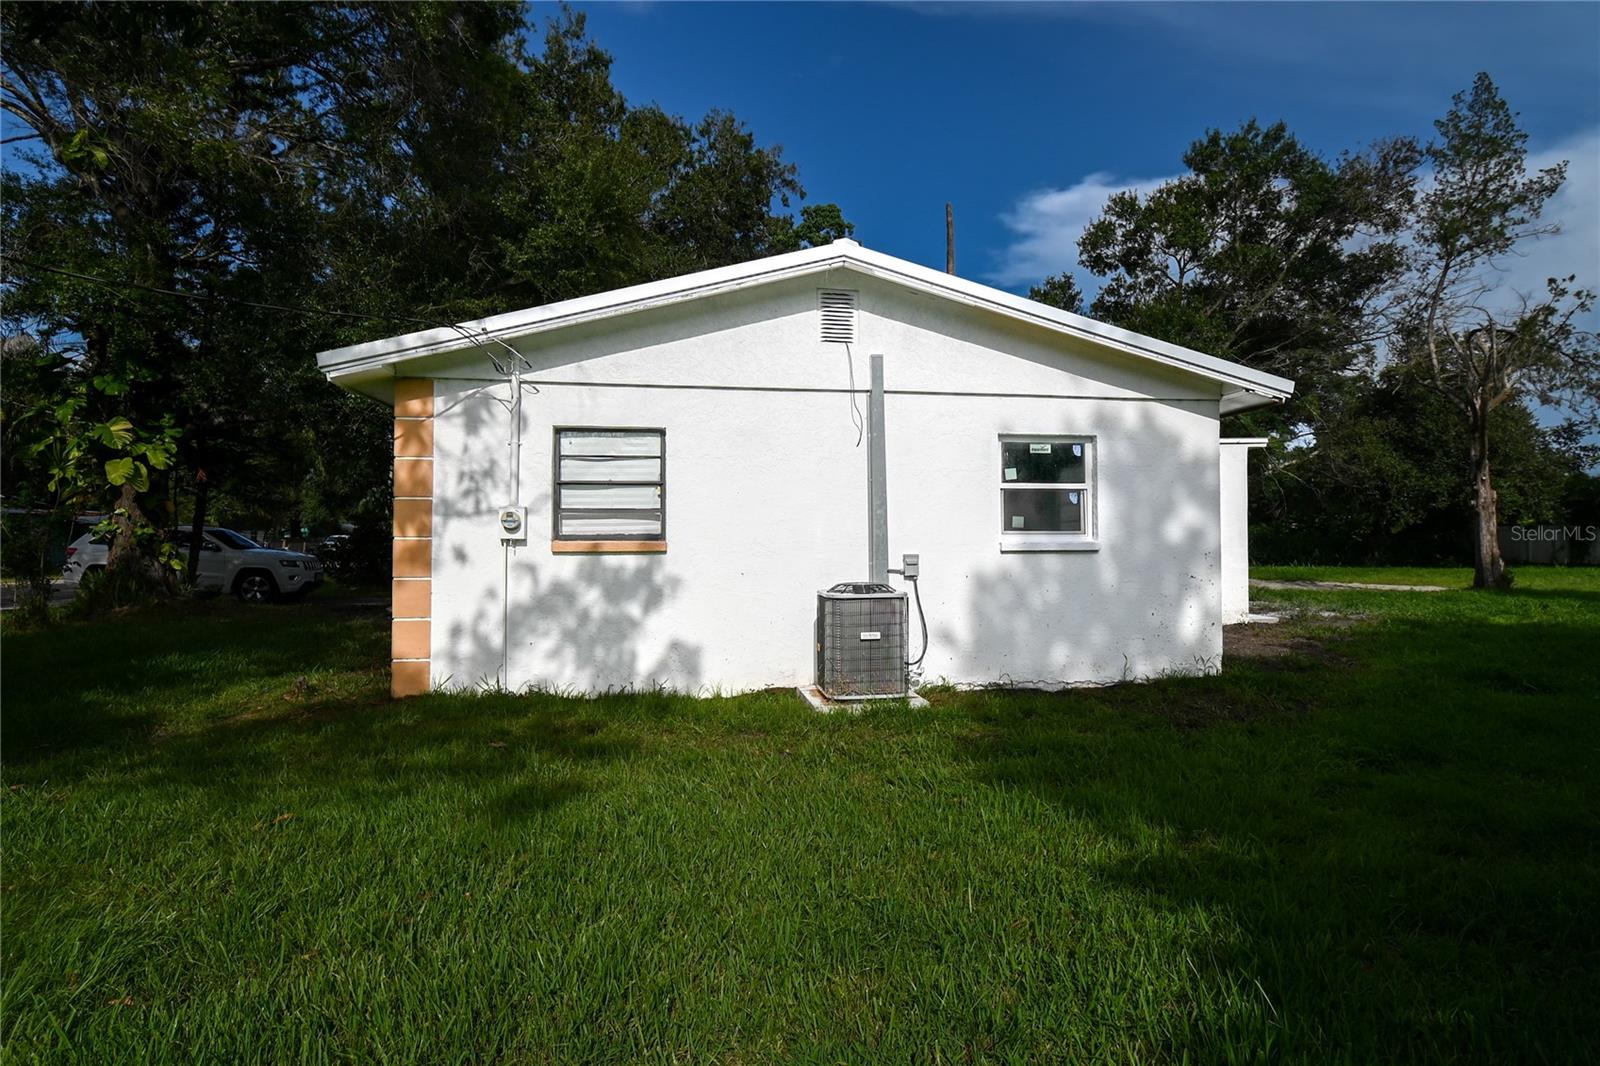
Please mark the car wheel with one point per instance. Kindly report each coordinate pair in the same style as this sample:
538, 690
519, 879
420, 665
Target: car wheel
256, 587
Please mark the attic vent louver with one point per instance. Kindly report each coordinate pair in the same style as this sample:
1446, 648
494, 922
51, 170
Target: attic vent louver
838, 307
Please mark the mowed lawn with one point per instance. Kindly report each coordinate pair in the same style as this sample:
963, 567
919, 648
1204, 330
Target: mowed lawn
1376, 839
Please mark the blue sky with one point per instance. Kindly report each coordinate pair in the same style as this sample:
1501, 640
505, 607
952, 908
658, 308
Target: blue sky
1026, 116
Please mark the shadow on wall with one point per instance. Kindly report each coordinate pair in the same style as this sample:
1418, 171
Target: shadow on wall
580, 619
1146, 604
483, 413
587, 626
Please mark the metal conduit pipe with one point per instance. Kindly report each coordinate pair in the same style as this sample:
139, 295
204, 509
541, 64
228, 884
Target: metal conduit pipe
877, 481
514, 445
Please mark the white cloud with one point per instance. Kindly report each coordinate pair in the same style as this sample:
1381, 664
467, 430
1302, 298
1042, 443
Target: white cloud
1047, 224
1576, 208
1574, 250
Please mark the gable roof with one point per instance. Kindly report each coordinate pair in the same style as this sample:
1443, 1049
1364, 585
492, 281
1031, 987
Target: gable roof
368, 367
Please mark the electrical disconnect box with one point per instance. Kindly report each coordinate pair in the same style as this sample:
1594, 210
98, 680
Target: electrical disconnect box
514, 525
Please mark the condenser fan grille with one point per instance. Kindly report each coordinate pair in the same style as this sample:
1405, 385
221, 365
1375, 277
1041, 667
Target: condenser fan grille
861, 642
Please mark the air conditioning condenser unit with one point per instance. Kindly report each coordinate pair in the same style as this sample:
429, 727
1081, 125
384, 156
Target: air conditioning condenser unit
861, 642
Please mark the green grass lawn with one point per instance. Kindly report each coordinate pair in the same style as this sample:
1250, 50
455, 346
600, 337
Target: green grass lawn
1577, 579
1377, 840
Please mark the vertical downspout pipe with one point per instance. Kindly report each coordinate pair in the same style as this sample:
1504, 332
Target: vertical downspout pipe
877, 482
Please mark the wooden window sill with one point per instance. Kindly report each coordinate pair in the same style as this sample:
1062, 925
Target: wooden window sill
608, 547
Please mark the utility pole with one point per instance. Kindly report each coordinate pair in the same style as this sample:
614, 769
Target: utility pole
949, 239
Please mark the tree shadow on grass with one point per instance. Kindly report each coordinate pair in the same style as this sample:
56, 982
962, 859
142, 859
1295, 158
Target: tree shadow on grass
92, 689
523, 803
241, 707
528, 753
1579, 596
1404, 853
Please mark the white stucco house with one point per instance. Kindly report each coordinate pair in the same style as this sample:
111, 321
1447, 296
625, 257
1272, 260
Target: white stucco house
692, 457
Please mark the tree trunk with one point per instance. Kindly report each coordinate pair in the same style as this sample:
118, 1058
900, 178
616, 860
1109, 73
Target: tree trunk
1489, 570
126, 518
202, 490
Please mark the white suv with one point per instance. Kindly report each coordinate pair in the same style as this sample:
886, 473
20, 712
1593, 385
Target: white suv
229, 562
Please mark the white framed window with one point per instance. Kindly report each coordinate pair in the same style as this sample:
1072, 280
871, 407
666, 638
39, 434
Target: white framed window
611, 484
1047, 493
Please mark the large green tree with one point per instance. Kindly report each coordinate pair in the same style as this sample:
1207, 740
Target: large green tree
1263, 252
401, 163
1060, 291
200, 149
1482, 346
1387, 481
1377, 292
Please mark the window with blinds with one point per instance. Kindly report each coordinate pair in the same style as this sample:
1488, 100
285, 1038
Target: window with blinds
611, 484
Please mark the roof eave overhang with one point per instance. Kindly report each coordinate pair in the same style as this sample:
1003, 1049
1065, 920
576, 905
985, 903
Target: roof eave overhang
1242, 400
339, 362
377, 382
355, 366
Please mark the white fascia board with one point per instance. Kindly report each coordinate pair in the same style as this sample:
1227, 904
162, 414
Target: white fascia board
1272, 388
1244, 442
1249, 388
513, 324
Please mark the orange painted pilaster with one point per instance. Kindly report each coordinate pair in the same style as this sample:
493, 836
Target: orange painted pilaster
411, 602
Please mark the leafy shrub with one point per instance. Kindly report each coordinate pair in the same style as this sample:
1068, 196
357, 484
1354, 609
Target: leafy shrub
26, 541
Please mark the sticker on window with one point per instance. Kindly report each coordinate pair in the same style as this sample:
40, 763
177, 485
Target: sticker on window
1016, 521
1039, 449
1077, 451
1011, 473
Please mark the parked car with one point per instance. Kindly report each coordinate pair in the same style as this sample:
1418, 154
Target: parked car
229, 562
86, 554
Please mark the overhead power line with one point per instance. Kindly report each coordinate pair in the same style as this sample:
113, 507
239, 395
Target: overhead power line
117, 283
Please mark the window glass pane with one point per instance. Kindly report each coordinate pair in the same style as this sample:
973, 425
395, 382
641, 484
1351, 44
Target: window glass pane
1043, 510
229, 538
604, 524
609, 442
617, 469
1044, 462
611, 497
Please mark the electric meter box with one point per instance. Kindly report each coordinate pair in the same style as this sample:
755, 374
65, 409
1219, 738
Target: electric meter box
514, 525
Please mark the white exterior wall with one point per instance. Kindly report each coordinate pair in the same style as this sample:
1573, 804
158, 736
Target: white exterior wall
1235, 455
1235, 534
766, 500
